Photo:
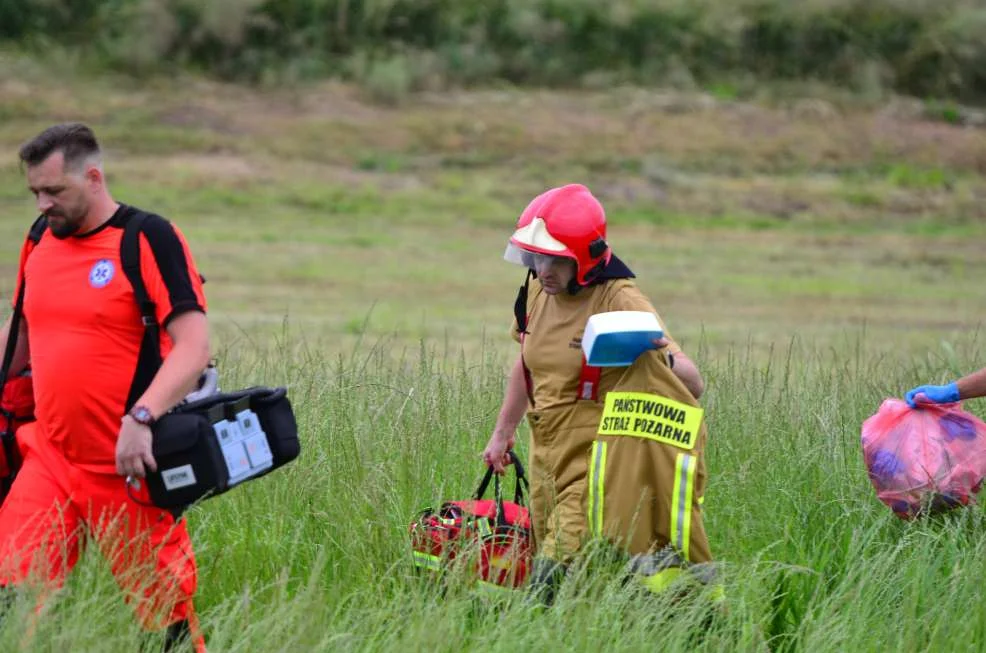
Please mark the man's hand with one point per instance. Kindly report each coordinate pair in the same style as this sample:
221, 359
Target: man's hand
934, 394
495, 453
133, 449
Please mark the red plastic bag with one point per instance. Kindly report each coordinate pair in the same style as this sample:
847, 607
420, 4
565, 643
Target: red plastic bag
926, 459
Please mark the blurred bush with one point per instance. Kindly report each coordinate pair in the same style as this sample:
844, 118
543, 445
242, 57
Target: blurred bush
921, 47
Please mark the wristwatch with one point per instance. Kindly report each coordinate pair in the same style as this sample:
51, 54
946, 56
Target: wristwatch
141, 415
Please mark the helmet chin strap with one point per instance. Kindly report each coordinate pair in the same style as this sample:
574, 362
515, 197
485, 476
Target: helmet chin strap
520, 304
574, 286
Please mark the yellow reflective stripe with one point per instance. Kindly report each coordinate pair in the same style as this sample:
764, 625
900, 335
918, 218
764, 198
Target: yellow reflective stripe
483, 526
597, 473
645, 415
659, 582
427, 560
681, 502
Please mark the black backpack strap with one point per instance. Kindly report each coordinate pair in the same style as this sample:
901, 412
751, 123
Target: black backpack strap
38, 229
8, 444
11, 452
149, 358
34, 236
12, 333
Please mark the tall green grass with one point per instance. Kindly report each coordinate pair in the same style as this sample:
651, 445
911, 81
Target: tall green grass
315, 557
923, 47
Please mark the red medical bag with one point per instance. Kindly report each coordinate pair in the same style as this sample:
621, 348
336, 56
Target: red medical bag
490, 539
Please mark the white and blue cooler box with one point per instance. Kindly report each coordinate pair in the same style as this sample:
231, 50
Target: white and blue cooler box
617, 338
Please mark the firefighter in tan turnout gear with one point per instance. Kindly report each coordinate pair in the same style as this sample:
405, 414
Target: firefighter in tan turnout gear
616, 452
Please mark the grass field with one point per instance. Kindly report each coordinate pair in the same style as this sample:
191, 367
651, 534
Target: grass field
814, 257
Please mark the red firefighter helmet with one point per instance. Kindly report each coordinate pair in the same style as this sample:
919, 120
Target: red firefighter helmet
565, 221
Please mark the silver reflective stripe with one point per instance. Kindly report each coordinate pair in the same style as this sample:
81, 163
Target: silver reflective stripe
597, 465
681, 515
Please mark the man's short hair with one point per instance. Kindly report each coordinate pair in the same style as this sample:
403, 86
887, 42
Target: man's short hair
75, 141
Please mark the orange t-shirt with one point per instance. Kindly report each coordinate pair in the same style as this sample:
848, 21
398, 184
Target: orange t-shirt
552, 347
84, 328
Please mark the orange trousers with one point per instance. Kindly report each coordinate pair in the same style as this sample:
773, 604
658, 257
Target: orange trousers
54, 507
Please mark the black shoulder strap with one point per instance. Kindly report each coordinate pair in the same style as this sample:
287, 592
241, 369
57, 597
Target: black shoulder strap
34, 236
149, 358
12, 333
38, 229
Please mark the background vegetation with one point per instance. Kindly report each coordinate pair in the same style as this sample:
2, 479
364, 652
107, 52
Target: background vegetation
315, 556
918, 47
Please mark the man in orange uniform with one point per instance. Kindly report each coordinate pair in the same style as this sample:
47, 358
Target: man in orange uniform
616, 452
96, 398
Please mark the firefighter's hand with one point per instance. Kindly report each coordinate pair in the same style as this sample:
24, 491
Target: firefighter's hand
661, 343
133, 449
495, 453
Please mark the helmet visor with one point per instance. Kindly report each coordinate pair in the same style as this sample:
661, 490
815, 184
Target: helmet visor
531, 260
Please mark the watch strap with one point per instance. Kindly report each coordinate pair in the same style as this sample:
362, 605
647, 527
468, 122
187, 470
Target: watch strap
142, 415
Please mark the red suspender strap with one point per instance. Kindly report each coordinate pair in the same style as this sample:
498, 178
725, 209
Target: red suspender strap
589, 381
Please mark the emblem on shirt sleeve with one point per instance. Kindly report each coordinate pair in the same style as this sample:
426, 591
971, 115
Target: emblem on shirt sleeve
101, 273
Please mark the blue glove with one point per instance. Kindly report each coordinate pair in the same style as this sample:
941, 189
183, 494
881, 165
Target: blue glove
936, 394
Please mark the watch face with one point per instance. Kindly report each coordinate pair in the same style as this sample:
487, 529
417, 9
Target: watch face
141, 415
